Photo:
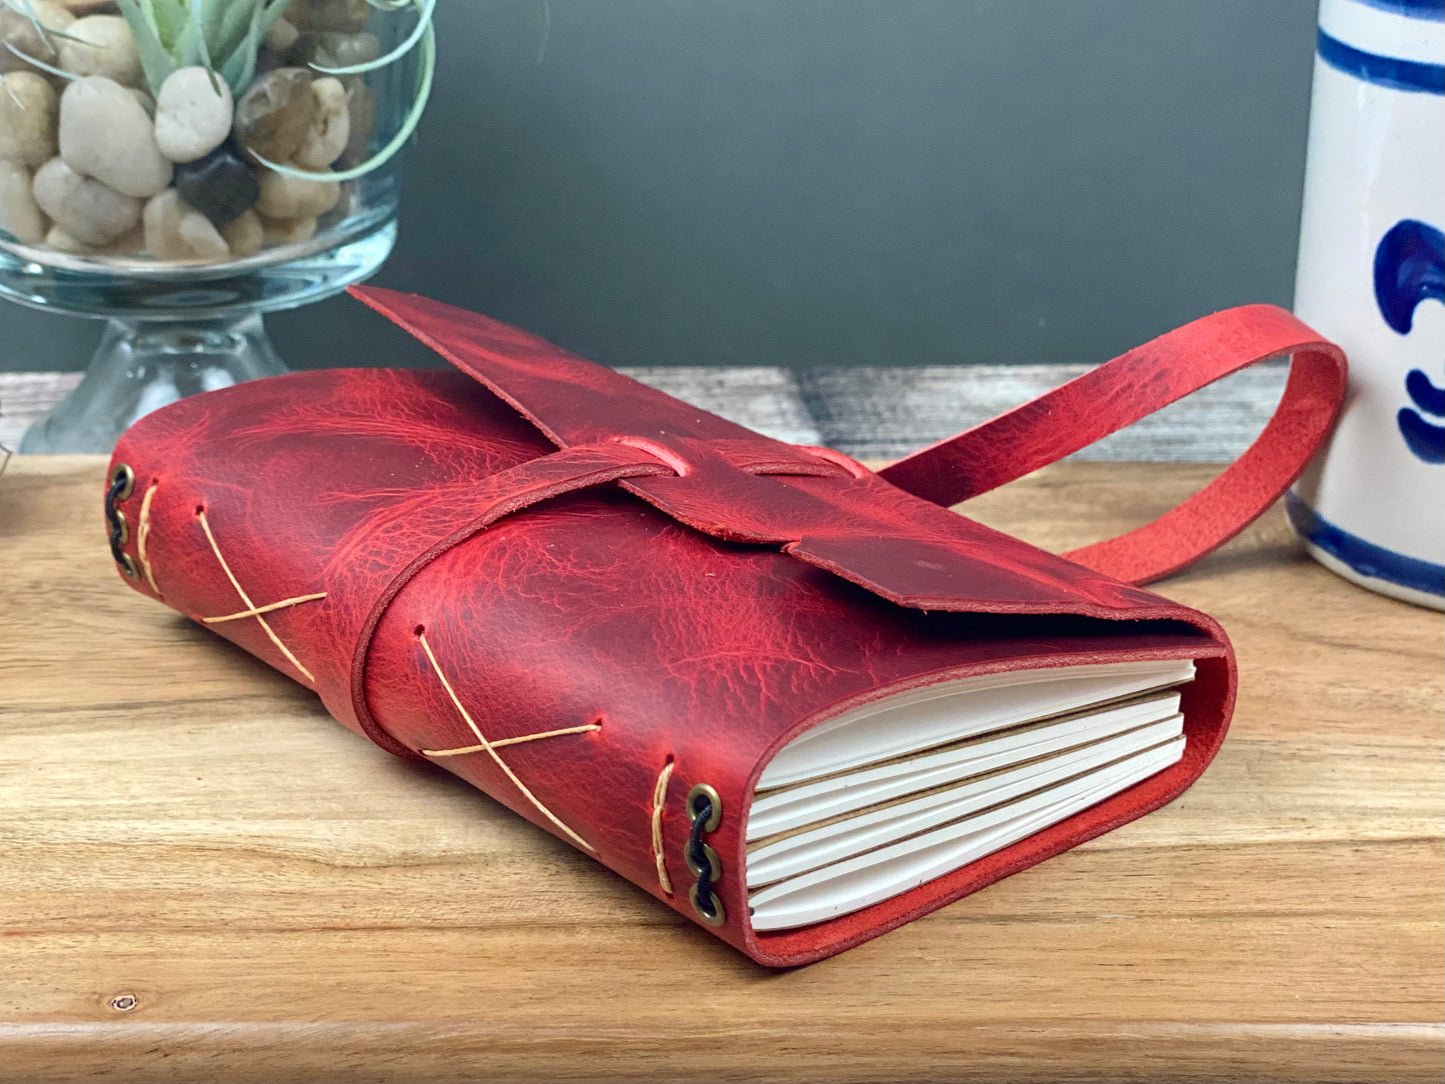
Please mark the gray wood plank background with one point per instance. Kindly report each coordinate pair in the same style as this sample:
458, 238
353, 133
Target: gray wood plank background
875, 413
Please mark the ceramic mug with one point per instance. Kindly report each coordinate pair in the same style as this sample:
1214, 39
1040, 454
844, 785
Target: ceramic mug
1371, 277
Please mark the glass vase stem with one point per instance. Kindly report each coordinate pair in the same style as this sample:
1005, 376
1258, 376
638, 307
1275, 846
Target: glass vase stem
143, 364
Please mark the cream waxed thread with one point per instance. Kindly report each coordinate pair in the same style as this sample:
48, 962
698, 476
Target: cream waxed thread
492, 752
518, 740
245, 598
659, 794
257, 611
143, 532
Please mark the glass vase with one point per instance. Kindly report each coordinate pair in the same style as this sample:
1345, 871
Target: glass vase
180, 324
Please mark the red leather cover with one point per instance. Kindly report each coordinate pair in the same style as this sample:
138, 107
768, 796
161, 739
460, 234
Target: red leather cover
585, 597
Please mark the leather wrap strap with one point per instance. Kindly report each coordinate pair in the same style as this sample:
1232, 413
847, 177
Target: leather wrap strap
375, 571
1133, 385
573, 401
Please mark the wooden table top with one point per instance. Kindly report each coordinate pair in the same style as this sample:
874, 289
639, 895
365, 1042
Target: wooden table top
205, 878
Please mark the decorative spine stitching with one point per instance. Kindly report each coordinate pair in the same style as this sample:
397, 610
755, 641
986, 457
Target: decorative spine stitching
487, 747
142, 537
270, 607
659, 795
502, 742
246, 599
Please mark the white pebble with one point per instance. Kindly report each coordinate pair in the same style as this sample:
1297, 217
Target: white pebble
105, 134
330, 129
201, 236
174, 230
61, 241
83, 207
132, 242
193, 114
101, 45
19, 213
244, 234
27, 118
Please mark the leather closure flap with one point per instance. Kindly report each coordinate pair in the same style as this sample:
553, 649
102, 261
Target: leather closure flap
727, 481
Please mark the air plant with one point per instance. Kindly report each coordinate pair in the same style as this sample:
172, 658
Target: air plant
219, 36
223, 36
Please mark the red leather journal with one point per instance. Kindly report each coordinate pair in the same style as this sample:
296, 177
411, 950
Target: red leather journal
796, 700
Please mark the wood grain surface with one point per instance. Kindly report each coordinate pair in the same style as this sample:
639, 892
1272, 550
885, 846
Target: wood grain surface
202, 877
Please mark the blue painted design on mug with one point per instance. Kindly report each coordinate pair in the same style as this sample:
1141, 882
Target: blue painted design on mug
1433, 10
1363, 557
1384, 71
1424, 394
1425, 441
1410, 270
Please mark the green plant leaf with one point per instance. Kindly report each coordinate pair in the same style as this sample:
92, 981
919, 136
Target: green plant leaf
155, 61
167, 18
187, 49
239, 68
231, 28
209, 14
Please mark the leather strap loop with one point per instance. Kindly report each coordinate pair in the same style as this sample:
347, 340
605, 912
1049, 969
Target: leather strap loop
575, 402
1133, 385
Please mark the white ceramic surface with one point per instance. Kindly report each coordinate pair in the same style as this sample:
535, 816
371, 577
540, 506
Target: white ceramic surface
1372, 277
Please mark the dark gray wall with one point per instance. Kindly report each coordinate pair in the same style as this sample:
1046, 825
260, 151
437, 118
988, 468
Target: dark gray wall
835, 182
